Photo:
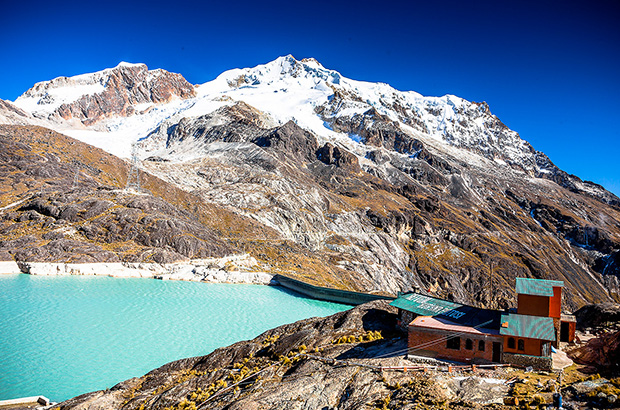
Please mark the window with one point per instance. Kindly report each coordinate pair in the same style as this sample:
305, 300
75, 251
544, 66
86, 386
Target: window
511, 343
454, 343
469, 345
521, 344
481, 345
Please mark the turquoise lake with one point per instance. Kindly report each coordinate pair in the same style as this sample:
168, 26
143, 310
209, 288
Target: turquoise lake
68, 335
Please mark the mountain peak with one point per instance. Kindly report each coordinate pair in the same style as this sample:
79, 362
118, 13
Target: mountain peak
320, 100
285, 70
130, 65
90, 97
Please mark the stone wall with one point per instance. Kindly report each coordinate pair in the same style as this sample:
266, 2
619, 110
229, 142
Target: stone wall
404, 318
537, 362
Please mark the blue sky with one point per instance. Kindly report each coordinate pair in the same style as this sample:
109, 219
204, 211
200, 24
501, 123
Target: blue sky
548, 70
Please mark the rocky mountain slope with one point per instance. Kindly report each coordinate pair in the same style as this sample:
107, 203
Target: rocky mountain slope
355, 185
64, 201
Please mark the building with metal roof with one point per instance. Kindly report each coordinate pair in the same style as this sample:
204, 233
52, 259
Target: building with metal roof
445, 329
532, 327
423, 305
538, 297
537, 287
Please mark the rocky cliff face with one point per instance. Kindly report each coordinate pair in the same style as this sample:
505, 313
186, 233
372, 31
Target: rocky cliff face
114, 92
391, 221
360, 186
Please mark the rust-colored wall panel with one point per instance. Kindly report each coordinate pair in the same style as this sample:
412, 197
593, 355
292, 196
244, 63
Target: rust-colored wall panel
555, 304
418, 337
533, 305
533, 347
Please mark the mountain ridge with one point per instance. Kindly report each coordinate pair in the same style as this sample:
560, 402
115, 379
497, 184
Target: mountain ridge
450, 119
364, 187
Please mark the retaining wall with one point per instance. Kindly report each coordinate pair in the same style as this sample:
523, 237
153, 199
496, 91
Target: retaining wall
9, 267
328, 294
537, 362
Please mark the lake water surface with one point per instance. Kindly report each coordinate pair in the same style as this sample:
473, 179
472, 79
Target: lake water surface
68, 335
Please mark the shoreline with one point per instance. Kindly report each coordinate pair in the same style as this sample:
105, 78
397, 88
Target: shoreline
235, 269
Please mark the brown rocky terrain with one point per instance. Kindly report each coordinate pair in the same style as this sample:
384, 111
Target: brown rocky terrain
601, 353
435, 222
350, 360
599, 326
64, 201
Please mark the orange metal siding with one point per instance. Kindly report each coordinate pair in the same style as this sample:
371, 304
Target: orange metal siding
555, 303
533, 305
533, 347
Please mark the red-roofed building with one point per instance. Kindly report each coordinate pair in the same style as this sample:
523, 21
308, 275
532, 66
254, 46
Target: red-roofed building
447, 330
440, 338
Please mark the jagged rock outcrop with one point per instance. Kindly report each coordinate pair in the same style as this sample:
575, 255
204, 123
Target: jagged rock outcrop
291, 140
331, 155
79, 225
114, 91
602, 353
597, 315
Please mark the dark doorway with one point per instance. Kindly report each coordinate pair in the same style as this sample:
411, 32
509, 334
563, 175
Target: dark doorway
564, 331
497, 352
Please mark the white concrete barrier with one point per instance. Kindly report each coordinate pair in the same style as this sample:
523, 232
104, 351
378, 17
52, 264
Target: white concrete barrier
230, 269
42, 400
9, 267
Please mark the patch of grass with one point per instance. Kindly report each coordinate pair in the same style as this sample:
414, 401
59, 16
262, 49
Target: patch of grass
369, 336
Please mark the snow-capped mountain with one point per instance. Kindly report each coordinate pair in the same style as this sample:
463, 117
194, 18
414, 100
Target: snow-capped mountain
351, 182
122, 90
115, 107
108, 108
286, 89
